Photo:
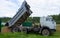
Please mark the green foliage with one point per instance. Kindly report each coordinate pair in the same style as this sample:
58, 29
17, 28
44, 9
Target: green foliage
36, 19
5, 19
29, 19
33, 19
56, 18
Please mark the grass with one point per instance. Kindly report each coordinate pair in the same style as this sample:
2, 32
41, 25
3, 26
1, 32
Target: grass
23, 35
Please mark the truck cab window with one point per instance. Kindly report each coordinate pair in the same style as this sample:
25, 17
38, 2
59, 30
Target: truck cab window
47, 19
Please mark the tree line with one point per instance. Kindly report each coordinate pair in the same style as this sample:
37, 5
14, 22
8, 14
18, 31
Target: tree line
34, 19
56, 18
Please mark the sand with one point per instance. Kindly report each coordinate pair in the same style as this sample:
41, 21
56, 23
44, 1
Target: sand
5, 29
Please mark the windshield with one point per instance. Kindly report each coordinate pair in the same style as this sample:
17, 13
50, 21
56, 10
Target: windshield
49, 19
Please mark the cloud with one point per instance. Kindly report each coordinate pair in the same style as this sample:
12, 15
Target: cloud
38, 7
44, 7
7, 8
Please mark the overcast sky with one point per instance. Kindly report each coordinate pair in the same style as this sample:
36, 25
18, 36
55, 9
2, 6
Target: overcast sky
8, 8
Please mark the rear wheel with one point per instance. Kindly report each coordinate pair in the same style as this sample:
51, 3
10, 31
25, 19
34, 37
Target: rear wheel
15, 29
45, 32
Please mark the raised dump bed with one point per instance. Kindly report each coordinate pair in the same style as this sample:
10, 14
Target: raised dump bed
23, 13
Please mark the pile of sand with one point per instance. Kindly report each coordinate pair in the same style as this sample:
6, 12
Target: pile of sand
5, 29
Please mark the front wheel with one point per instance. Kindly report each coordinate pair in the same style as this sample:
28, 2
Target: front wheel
45, 32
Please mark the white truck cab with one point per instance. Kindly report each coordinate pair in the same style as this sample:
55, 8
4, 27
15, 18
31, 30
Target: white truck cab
47, 24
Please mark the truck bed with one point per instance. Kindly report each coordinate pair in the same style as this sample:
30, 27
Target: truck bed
23, 13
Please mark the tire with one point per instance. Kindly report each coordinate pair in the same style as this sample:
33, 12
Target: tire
45, 32
14, 30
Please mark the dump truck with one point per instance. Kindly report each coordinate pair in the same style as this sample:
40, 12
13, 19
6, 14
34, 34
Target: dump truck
47, 24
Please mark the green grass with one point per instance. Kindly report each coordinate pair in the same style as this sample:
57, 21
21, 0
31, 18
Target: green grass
23, 35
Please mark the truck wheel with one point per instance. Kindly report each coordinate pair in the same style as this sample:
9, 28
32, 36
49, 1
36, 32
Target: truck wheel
14, 30
45, 32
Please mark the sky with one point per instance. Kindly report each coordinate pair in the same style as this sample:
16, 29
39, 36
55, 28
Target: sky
8, 8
